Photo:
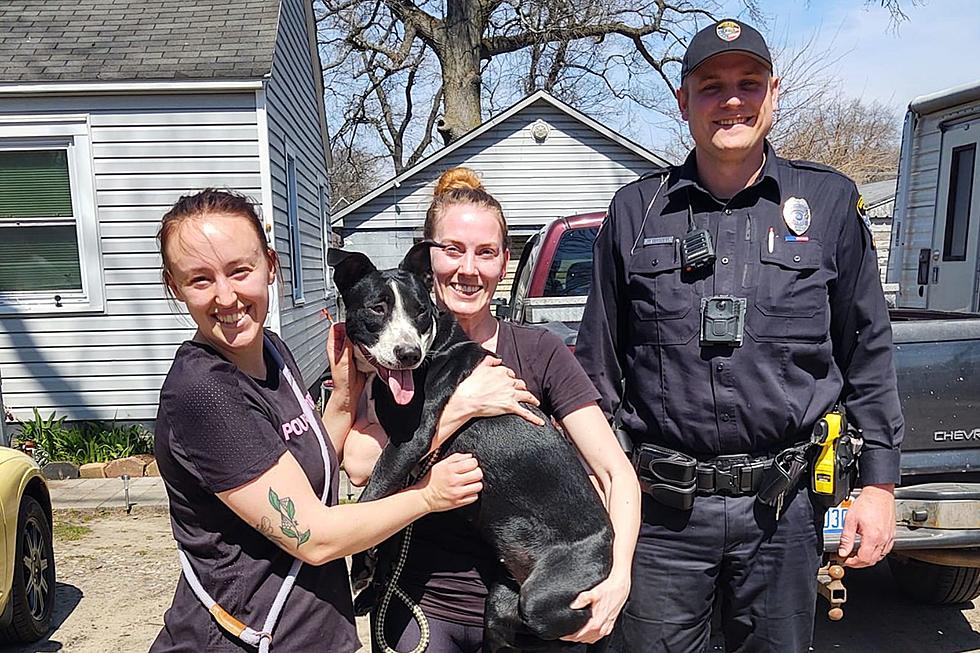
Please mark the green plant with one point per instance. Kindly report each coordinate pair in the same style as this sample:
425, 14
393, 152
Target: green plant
45, 433
87, 442
101, 442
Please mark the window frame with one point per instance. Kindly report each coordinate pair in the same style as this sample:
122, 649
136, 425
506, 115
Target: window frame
569, 237
292, 222
950, 242
71, 133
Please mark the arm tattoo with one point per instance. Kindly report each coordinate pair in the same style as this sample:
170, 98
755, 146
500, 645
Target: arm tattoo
289, 525
265, 528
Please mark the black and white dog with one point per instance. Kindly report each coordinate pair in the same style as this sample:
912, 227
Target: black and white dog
538, 506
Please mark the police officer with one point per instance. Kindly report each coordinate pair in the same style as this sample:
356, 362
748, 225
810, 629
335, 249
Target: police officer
735, 301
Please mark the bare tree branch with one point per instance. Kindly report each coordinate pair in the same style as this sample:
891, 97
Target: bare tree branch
396, 72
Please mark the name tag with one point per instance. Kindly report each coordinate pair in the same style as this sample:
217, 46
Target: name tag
659, 240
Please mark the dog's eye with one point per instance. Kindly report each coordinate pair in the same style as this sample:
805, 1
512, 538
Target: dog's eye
377, 309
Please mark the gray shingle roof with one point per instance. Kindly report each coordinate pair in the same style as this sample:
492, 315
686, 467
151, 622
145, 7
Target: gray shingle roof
878, 191
113, 40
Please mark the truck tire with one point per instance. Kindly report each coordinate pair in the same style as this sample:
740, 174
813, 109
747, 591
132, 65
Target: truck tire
936, 584
32, 595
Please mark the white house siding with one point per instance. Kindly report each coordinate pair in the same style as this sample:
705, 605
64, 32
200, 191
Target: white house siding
881, 215
293, 103
913, 226
147, 151
574, 170
881, 231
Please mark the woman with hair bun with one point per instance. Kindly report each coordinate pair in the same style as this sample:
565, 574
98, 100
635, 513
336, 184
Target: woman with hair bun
448, 564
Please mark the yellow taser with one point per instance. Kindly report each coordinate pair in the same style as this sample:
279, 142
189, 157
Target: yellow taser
825, 435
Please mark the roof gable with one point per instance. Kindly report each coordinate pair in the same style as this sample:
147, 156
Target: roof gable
472, 135
116, 40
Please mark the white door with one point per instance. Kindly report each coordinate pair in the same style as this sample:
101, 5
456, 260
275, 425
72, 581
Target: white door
956, 233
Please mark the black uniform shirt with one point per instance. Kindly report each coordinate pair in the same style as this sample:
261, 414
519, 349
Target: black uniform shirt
816, 325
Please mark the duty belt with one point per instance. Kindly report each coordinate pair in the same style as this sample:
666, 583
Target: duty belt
734, 475
674, 478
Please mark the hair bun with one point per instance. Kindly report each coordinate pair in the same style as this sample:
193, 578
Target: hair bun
457, 178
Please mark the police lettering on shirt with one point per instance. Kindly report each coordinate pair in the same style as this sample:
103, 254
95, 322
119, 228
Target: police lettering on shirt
299, 424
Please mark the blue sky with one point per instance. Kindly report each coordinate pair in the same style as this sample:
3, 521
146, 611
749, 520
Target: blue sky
937, 48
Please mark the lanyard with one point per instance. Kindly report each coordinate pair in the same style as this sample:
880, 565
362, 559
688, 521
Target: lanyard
263, 638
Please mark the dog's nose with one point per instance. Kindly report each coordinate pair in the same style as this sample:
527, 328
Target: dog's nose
408, 355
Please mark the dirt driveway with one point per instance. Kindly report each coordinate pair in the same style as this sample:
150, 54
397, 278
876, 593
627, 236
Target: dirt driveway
117, 573
116, 577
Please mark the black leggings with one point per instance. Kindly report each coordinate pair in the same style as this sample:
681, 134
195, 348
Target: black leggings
402, 633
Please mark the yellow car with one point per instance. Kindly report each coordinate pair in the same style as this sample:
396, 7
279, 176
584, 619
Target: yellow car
26, 551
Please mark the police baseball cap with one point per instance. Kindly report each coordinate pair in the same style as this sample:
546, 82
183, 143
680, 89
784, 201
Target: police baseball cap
726, 35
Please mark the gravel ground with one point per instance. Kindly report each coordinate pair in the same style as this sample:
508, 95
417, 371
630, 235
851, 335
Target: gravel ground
117, 573
116, 577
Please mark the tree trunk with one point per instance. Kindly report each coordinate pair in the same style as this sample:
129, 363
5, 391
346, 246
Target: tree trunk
460, 59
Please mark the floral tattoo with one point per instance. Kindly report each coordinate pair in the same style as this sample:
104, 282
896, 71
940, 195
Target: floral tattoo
289, 525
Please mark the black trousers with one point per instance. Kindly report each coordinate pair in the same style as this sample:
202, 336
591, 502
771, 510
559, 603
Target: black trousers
730, 549
402, 633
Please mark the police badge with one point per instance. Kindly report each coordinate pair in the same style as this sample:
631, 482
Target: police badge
796, 214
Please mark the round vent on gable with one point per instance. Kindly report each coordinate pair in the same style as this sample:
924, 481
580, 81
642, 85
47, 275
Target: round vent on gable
540, 130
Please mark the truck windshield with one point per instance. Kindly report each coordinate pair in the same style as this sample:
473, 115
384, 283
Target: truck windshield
571, 267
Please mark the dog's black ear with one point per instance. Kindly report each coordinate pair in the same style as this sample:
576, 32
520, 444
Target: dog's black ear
348, 268
417, 261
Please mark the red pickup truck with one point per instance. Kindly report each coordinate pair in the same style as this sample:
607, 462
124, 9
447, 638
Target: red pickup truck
937, 546
554, 275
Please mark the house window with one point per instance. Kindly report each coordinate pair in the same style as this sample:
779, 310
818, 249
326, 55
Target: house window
295, 239
958, 205
49, 254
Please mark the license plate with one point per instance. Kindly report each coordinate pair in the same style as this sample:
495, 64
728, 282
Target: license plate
833, 520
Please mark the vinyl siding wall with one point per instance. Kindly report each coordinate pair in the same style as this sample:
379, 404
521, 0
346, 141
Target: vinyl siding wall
914, 222
292, 101
147, 151
574, 170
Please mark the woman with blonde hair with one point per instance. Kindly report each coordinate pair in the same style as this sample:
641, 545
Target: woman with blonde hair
448, 565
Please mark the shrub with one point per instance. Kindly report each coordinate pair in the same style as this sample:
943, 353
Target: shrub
46, 434
88, 442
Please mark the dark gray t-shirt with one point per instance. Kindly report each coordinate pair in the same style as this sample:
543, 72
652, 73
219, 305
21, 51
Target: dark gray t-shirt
449, 564
218, 428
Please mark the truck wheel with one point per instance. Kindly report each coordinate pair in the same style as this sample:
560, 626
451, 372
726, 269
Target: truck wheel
937, 584
32, 595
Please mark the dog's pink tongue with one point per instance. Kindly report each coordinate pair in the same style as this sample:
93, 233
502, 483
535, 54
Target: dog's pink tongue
402, 385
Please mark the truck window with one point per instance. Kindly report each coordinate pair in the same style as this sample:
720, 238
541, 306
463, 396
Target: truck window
571, 268
958, 206
519, 288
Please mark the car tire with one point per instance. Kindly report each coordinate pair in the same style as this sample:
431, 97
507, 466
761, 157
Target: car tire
936, 584
33, 592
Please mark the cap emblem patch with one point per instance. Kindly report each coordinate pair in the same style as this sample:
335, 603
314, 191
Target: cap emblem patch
728, 30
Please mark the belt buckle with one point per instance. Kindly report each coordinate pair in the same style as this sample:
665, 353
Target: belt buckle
728, 474
727, 481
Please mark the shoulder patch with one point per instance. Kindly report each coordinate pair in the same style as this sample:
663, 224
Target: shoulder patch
865, 218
